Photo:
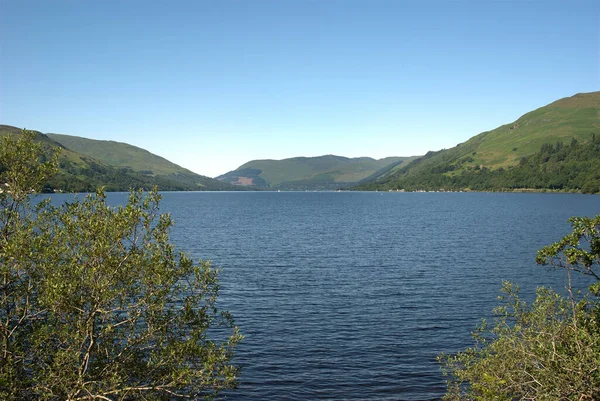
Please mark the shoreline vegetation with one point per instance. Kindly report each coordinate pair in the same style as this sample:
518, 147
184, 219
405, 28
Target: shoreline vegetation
121, 315
499, 190
466, 190
545, 350
96, 302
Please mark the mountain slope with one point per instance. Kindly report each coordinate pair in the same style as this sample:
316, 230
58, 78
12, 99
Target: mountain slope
501, 149
577, 116
80, 172
308, 173
118, 154
123, 155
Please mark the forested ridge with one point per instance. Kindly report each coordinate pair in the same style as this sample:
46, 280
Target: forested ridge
76, 178
571, 167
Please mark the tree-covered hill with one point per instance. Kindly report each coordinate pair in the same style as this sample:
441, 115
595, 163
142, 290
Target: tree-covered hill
309, 173
553, 147
82, 172
123, 155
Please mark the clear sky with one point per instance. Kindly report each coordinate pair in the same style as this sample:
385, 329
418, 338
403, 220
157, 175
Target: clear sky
211, 85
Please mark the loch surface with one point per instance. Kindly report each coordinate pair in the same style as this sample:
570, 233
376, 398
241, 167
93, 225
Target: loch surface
350, 296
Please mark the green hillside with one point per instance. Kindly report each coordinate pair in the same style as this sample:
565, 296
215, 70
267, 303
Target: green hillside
309, 173
82, 172
573, 117
119, 154
505, 151
123, 155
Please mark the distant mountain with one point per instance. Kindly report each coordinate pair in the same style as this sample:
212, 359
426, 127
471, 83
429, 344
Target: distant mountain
552, 147
309, 173
86, 164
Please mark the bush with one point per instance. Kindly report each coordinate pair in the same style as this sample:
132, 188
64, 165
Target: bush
95, 303
549, 350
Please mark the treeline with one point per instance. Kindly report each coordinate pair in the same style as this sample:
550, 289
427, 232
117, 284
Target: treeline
573, 167
74, 178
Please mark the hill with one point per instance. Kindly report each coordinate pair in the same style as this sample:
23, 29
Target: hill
507, 157
84, 171
309, 173
123, 155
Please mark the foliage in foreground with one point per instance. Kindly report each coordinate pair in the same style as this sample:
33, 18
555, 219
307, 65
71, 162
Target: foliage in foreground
95, 303
549, 350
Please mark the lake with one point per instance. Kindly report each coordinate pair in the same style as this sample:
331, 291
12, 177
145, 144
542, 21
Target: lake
351, 296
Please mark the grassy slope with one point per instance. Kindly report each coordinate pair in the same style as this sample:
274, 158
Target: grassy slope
82, 172
124, 155
119, 154
573, 117
577, 116
310, 172
66, 155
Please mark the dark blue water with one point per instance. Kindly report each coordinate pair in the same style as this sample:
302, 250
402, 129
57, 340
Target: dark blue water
350, 296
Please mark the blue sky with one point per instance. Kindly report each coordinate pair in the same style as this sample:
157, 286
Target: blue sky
211, 85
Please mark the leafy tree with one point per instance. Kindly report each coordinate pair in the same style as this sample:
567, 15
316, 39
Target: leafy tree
95, 303
549, 350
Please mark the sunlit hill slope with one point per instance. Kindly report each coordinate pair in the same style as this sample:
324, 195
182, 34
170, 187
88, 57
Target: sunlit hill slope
86, 164
553, 147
